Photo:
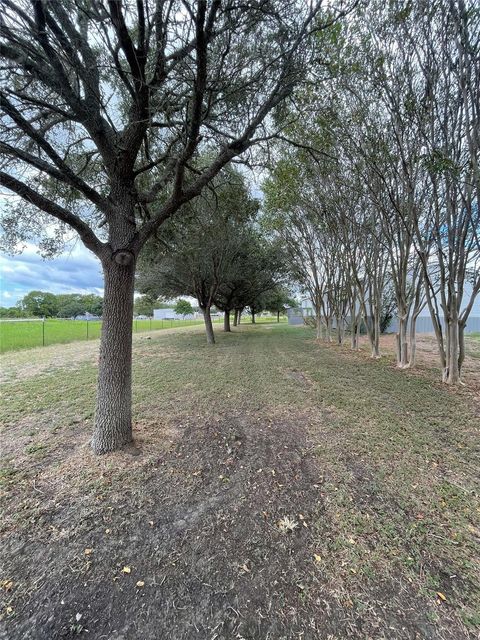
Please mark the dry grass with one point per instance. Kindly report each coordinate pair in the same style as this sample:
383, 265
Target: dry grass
377, 467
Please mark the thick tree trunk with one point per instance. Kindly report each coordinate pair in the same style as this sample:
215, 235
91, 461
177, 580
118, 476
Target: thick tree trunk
239, 316
113, 416
253, 317
226, 321
235, 317
208, 325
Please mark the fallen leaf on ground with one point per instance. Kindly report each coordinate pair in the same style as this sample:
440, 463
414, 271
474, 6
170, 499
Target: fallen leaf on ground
287, 524
140, 583
87, 552
126, 570
441, 595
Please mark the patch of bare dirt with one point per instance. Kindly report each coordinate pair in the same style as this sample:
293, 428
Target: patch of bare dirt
427, 357
209, 533
300, 377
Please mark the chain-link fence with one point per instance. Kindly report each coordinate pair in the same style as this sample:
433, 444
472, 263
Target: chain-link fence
28, 333
25, 334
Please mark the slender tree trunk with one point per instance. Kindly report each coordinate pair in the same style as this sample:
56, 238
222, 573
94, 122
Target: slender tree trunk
376, 336
328, 320
113, 415
278, 316
235, 317
453, 372
353, 334
208, 325
239, 316
253, 317
318, 325
447, 352
339, 330
402, 344
417, 308
461, 347
226, 321
354, 323
437, 326
413, 341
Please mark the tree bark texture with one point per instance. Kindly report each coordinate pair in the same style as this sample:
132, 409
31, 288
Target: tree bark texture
452, 371
208, 325
113, 415
402, 343
413, 341
226, 321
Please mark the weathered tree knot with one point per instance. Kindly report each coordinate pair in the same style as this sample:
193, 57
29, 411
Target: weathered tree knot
123, 257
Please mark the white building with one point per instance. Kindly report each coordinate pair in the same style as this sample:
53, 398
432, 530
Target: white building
424, 321
169, 314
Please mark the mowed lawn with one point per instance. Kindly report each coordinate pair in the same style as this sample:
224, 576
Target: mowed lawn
25, 334
283, 488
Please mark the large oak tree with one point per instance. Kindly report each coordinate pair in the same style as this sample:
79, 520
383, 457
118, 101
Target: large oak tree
104, 105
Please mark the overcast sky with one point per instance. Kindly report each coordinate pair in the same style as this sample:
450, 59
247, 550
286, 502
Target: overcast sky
76, 271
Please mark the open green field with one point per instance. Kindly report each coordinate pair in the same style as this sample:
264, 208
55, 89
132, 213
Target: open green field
36, 333
283, 488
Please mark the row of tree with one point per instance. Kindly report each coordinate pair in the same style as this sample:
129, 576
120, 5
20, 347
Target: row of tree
217, 254
42, 304
105, 108
391, 204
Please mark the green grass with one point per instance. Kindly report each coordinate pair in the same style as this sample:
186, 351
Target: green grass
36, 333
396, 451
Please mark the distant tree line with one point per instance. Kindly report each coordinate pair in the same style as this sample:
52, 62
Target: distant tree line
42, 304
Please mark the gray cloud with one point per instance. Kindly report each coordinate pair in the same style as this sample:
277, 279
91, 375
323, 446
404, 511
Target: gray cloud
79, 271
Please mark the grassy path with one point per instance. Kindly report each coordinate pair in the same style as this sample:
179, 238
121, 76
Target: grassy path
375, 471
